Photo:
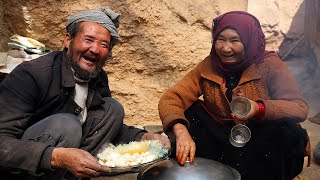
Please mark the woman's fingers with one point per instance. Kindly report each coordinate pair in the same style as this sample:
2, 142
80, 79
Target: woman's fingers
180, 152
185, 145
238, 119
185, 154
185, 148
192, 152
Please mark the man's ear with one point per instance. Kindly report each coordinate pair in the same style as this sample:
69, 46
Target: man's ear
67, 40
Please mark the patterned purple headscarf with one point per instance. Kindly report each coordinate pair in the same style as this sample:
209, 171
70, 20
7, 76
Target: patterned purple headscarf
251, 35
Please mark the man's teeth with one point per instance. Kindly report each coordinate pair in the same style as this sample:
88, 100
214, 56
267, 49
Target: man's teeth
90, 59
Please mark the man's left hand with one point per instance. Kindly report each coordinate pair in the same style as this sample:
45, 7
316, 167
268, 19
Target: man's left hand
164, 140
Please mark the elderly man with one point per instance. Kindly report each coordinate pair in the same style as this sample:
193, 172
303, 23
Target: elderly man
56, 111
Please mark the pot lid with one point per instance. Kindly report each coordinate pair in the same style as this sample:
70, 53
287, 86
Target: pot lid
201, 168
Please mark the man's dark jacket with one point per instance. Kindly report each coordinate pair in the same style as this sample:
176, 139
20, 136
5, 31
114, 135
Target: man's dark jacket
37, 89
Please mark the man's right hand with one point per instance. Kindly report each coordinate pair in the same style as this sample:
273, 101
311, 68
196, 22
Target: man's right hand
77, 161
185, 144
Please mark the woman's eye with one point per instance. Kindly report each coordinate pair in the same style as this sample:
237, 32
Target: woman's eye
220, 39
235, 40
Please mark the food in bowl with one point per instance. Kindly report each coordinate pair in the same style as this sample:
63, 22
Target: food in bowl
132, 154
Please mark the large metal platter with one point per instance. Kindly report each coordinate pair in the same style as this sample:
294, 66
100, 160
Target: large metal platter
201, 168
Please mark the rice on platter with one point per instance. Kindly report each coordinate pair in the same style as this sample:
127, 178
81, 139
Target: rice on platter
132, 154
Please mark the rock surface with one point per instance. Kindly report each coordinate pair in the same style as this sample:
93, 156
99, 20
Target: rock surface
160, 40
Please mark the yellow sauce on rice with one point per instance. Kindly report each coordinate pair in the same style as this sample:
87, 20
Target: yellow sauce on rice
132, 154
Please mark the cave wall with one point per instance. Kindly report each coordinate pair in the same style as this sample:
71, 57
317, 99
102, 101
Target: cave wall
160, 40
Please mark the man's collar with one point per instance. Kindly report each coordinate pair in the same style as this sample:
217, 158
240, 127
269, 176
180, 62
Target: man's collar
67, 74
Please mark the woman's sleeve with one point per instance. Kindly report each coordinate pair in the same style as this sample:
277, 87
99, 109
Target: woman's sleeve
178, 98
286, 98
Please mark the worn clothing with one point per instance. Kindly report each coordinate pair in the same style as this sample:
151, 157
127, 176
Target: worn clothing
269, 82
80, 97
275, 150
264, 78
41, 88
276, 147
58, 130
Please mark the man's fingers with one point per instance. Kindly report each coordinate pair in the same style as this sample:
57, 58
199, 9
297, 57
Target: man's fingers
164, 140
104, 169
88, 172
166, 143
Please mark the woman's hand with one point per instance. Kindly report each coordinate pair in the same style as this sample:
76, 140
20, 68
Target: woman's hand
185, 144
244, 119
79, 162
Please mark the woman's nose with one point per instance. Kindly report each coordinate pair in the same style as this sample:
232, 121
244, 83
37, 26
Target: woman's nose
226, 47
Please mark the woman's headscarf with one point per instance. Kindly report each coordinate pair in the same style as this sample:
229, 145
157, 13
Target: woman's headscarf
251, 35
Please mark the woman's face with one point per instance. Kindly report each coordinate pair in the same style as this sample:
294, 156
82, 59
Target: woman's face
229, 46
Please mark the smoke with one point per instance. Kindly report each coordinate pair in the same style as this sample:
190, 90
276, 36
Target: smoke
304, 66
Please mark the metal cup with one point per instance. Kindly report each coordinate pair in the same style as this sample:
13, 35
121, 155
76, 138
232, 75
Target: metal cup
240, 134
240, 106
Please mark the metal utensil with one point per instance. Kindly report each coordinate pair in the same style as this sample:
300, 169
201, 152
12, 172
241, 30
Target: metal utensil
240, 106
240, 134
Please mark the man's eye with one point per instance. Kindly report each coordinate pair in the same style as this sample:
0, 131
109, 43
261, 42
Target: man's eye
88, 40
105, 45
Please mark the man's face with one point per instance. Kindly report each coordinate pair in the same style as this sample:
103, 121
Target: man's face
89, 49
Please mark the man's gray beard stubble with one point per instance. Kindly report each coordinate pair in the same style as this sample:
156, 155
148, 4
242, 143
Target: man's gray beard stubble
85, 75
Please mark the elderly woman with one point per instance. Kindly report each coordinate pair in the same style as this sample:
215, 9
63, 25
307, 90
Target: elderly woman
239, 65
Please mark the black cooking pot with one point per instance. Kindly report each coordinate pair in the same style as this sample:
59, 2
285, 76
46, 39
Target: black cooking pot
201, 169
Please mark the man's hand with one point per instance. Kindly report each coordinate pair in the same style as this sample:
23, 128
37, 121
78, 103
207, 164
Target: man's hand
77, 161
244, 119
164, 140
185, 144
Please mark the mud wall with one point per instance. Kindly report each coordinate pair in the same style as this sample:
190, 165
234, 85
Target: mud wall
160, 40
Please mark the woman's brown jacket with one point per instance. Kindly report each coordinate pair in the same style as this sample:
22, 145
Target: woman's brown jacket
270, 81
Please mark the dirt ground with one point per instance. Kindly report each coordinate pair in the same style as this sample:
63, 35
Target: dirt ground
312, 172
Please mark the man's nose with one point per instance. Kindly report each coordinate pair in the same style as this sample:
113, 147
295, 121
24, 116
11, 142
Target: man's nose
95, 47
